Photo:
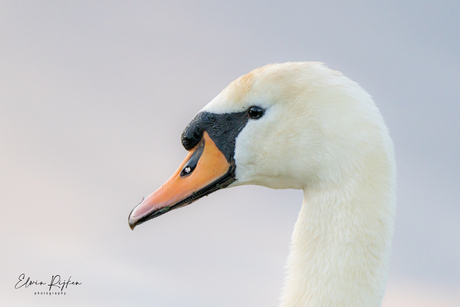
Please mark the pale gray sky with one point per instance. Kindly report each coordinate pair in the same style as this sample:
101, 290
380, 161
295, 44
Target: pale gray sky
94, 97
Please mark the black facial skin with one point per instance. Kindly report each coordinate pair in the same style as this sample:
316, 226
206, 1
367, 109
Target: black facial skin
223, 129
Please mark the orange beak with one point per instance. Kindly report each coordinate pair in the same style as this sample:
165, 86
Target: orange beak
204, 170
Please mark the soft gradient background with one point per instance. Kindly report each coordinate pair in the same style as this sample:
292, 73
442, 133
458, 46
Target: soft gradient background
95, 94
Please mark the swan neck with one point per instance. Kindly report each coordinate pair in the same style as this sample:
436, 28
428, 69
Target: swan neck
341, 245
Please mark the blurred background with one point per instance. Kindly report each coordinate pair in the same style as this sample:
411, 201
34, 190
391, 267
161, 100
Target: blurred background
94, 96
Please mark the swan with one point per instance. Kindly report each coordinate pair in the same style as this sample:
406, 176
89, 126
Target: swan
300, 126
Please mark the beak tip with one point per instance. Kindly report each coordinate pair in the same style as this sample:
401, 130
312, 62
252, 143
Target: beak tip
131, 222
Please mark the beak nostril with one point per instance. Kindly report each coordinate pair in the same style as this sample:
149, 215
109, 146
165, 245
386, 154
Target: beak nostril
186, 171
191, 164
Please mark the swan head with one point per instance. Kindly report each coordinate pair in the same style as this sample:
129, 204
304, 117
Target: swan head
292, 125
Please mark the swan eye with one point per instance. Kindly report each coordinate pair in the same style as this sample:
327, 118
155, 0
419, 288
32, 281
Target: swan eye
255, 112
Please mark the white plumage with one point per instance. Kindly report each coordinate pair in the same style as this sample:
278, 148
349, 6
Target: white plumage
321, 133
